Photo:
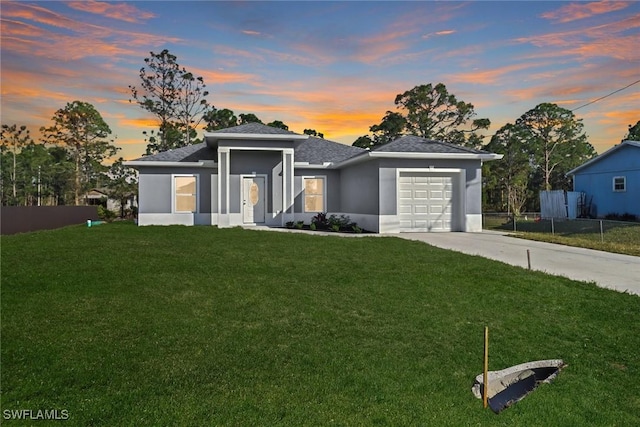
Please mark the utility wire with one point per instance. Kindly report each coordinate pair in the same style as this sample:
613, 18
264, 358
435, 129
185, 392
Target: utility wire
606, 96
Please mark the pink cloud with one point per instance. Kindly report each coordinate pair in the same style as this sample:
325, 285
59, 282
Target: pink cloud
373, 49
388, 44
439, 33
88, 41
14, 29
392, 43
367, 49
120, 11
312, 55
38, 14
602, 40
234, 52
220, 77
575, 11
492, 76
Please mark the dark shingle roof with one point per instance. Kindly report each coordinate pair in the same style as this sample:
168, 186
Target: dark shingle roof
312, 150
416, 144
317, 151
190, 153
258, 128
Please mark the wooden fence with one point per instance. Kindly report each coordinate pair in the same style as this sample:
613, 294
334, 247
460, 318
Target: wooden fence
22, 219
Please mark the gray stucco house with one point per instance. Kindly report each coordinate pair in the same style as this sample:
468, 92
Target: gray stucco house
254, 174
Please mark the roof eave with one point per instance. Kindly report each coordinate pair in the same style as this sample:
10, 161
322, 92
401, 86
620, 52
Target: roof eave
353, 160
603, 155
212, 137
152, 163
434, 156
307, 165
423, 156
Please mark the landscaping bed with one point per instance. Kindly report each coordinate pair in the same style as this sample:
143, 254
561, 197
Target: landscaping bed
333, 223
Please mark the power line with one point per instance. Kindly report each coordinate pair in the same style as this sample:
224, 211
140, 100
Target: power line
606, 96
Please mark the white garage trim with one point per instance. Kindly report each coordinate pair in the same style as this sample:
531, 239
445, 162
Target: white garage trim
430, 199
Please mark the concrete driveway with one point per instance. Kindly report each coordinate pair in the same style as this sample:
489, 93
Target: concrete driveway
607, 270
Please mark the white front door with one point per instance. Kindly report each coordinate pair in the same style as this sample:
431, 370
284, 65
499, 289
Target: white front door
253, 199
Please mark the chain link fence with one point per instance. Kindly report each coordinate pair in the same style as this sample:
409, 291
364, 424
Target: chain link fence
625, 232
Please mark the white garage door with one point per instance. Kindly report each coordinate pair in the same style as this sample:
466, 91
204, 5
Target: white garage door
425, 201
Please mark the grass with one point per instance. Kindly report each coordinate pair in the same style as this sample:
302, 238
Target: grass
125, 325
617, 237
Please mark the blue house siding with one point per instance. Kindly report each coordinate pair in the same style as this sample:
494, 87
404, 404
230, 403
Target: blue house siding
595, 179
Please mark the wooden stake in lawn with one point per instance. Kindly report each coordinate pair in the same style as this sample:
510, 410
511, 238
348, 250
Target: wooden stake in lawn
485, 371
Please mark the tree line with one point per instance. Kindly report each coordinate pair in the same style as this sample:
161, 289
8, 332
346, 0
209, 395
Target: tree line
67, 163
538, 148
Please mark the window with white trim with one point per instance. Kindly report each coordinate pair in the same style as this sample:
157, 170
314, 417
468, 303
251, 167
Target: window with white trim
619, 183
185, 193
314, 194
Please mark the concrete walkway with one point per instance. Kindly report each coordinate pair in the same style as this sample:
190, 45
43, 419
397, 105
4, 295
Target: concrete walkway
607, 270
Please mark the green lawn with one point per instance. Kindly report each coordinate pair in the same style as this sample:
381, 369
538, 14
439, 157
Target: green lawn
125, 325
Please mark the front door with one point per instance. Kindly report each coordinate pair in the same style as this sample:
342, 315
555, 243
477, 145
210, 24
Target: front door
253, 199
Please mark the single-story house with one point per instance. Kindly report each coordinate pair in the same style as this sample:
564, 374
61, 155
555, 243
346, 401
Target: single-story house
255, 174
100, 197
611, 181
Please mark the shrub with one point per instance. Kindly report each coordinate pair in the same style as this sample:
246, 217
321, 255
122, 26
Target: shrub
313, 226
299, 225
335, 227
342, 221
620, 217
320, 220
289, 224
105, 214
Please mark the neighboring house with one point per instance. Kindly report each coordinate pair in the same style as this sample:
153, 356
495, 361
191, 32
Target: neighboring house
255, 174
100, 197
611, 181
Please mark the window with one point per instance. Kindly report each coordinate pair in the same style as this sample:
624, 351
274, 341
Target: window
185, 193
314, 194
619, 183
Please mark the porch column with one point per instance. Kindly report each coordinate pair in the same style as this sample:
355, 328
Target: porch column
223, 187
287, 185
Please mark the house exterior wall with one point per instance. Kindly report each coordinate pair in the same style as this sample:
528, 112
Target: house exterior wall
245, 163
360, 195
596, 181
155, 196
360, 188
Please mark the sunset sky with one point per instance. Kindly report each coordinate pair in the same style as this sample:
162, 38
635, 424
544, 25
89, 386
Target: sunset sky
332, 66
